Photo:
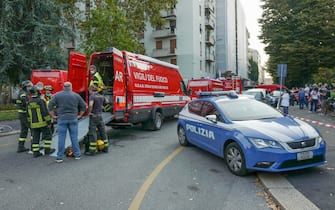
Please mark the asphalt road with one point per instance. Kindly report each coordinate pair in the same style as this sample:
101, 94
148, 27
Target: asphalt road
144, 170
316, 184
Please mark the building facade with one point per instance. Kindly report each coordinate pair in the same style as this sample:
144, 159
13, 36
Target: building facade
205, 38
187, 39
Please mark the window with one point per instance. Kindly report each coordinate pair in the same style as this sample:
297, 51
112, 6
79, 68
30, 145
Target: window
173, 61
159, 44
173, 46
195, 107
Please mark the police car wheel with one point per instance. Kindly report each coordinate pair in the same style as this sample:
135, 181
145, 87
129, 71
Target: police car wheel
235, 159
182, 136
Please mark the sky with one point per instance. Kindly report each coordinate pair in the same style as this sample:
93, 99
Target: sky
253, 12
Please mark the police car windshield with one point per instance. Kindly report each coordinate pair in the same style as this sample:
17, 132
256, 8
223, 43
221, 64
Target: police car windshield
247, 109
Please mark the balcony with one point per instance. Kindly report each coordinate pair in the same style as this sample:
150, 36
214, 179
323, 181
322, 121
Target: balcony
210, 57
210, 22
169, 14
164, 33
210, 40
165, 52
209, 5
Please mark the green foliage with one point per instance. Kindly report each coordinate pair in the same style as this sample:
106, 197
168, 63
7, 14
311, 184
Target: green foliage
253, 70
31, 35
120, 23
299, 33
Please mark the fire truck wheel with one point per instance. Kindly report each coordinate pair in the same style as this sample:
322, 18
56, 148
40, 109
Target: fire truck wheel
157, 121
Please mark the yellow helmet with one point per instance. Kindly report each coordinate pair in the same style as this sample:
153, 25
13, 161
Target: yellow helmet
100, 145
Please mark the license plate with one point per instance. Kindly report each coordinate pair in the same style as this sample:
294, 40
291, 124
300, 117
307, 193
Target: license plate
305, 155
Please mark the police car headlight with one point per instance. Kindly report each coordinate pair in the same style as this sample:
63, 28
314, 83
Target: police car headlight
263, 143
320, 140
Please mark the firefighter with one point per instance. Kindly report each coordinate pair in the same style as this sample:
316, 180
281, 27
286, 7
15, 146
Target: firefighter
47, 94
96, 123
40, 122
96, 79
21, 104
47, 98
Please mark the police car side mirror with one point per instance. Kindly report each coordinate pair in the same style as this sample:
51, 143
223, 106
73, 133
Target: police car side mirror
212, 118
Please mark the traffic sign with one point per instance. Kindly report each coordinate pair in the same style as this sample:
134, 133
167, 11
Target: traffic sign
281, 70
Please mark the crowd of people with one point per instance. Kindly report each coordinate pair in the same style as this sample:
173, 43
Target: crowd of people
316, 98
38, 109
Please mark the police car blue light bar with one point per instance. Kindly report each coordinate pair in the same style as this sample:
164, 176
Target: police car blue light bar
229, 93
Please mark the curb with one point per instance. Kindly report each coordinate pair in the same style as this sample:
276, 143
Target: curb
284, 193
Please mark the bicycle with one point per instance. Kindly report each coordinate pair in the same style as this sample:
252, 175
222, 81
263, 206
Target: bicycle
5, 128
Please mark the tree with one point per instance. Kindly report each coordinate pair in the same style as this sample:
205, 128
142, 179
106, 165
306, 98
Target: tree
120, 23
31, 35
299, 33
253, 70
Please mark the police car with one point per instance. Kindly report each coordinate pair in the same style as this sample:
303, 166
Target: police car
248, 134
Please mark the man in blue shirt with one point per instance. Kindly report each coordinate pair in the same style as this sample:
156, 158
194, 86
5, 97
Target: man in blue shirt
68, 104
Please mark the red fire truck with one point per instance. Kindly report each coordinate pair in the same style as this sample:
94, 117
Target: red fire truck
140, 89
194, 86
232, 83
53, 77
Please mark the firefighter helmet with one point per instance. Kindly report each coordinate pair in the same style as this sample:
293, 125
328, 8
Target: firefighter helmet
48, 88
100, 145
26, 83
69, 152
35, 91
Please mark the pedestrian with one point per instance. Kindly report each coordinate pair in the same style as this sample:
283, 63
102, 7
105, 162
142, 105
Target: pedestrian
21, 103
307, 91
70, 107
96, 123
314, 99
285, 101
301, 96
323, 92
40, 122
96, 78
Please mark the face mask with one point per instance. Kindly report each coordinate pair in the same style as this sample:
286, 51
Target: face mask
92, 71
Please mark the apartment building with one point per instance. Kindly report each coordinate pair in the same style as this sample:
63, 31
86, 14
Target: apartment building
205, 38
187, 39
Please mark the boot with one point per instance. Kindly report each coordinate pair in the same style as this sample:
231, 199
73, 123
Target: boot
21, 147
90, 153
37, 154
49, 151
105, 150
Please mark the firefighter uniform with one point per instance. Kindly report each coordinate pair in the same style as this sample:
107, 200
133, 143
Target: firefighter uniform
40, 121
96, 123
21, 103
47, 96
96, 79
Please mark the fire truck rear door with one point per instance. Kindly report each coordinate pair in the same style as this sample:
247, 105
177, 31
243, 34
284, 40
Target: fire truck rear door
78, 74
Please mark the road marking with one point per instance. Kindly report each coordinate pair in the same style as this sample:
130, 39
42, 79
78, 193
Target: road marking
136, 203
8, 144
